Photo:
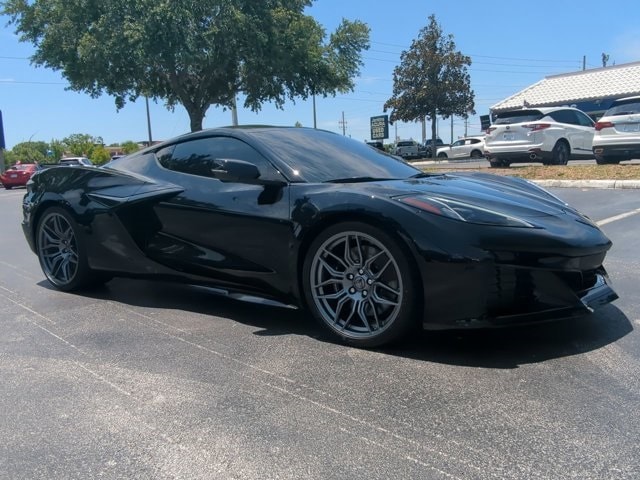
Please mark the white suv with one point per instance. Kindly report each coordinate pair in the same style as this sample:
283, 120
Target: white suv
552, 135
617, 135
464, 148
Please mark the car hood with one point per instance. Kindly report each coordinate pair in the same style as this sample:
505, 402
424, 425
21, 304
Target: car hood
510, 195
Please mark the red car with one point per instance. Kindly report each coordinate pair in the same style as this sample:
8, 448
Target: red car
18, 175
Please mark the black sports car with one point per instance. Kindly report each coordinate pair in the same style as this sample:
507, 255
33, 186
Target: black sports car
369, 244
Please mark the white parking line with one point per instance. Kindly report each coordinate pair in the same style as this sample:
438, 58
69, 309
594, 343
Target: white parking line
618, 217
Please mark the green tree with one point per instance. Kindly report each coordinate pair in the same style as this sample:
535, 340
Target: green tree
28, 152
56, 147
432, 80
100, 155
193, 53
129, 147
81, 144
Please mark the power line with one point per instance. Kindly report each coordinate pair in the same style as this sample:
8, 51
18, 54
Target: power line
32, 83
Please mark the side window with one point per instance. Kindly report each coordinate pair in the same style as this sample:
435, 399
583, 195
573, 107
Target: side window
473, 141
198, 157
584, 120
565, 116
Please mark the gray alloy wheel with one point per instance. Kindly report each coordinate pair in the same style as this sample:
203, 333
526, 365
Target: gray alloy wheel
358, 282
60, 252
560, 153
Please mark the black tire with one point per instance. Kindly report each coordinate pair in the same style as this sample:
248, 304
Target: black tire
8, 187
560, 153
359, 285
61, 250
608, 160
442, 155
499, 163
476, 154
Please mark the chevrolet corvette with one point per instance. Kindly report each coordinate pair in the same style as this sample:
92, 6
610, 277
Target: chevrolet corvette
370, 245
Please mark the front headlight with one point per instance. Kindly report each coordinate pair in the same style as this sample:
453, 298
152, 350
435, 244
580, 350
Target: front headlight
463, 212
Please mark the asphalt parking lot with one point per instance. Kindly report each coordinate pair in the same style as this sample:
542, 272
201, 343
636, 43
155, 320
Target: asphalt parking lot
155, 380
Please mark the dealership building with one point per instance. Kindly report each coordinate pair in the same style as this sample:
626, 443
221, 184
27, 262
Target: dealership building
592, 91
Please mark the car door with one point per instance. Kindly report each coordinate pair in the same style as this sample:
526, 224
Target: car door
236, 233
587, 129
457, 149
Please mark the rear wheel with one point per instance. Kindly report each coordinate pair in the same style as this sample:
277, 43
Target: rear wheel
8, 187
442, 155
560, 153
61, 251
359, 285
476, 154
499, 163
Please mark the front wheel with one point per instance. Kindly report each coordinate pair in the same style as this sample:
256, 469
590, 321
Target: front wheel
359, 285
442, 155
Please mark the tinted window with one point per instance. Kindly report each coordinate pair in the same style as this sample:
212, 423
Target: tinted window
624, 107
518, 116
199, 157
565, 116
474, 141
320, 156
405, 144
584, 119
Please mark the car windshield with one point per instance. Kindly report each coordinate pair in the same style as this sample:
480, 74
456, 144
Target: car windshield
321, 156
628, 107
518, 116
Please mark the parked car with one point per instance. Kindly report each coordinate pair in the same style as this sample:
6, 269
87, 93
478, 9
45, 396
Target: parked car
408, 149
617, 134
18, 175
427, 146
75, 161
464, 148
376, 144
552, 135
372, 246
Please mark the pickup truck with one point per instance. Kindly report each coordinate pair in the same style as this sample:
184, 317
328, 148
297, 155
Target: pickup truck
409, 149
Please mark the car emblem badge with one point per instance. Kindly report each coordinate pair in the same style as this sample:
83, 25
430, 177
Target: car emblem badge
508, 127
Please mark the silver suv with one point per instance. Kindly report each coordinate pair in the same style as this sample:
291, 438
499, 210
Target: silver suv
552, 135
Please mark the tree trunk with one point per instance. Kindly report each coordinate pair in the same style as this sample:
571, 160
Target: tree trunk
195, 117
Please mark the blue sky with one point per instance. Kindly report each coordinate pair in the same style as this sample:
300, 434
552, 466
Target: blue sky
511, 44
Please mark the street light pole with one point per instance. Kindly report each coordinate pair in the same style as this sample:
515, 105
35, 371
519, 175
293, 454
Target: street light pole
146, 99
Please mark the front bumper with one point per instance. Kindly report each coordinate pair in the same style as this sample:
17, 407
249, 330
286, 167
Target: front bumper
513, 296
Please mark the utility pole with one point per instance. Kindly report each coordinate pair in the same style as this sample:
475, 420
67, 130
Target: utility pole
314, 111
234, 113
146, 100
343, 124
466, 125
451, 128
584, 63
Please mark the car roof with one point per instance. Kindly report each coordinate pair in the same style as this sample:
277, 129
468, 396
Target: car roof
543, 110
